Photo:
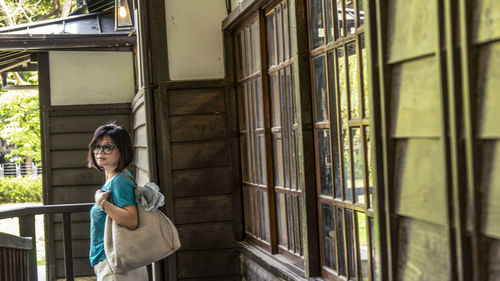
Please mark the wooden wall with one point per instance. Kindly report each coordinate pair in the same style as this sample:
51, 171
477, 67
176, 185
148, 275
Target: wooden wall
195, 170
67, 133
435, 83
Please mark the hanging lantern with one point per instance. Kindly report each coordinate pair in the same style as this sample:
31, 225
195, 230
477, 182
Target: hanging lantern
123, 15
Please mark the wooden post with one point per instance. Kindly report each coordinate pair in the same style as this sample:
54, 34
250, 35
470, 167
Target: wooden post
27, 229
68, 247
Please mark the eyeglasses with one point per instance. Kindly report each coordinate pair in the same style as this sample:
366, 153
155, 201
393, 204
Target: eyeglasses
106, 149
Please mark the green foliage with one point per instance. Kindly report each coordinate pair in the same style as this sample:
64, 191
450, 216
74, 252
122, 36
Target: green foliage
14, 12
20, 123
20, 190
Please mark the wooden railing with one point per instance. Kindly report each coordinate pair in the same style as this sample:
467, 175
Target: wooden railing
14, 253
26, 217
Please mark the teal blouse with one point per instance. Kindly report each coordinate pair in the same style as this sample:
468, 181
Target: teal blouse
122, 194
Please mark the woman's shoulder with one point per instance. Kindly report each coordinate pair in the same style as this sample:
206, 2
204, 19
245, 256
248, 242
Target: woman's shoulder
124, 177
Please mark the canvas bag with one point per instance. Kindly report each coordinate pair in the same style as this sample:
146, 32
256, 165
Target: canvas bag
154, 239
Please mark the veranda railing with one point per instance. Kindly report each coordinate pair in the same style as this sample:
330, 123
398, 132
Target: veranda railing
26, 217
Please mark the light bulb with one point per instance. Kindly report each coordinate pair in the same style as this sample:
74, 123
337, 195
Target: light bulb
122, 12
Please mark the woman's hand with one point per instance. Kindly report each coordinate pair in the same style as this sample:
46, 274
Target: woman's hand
101, 195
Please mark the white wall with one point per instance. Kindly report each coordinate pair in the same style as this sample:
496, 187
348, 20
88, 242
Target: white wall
195, 38
91, 77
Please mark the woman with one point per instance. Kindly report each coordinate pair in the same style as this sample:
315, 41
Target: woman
111, 151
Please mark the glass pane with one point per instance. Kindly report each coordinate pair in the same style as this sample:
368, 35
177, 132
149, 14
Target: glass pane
329, 20
281, 217
279, 31
244, 157
335, 138
344, 116
363, 246
329, 244
286, 31
364, 76
357, 161
248, 54
246, 208
289, 220
340, 19
278, 160
324, 159
350, 244
265, 215
299, 226
291, 88
369, 166
320, 89
361, 12
341, 243
372, 252
242, 108
271, 39
275, 100
259, 103
285, 129
261, 159
317, 26
255, 46
353, 80
296, 226
349, 16
291, 133
241, 53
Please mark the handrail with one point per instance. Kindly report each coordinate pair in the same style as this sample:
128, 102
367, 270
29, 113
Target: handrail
45, 210
26, 217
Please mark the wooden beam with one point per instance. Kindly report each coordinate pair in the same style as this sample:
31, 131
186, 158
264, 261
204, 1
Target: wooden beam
64, 42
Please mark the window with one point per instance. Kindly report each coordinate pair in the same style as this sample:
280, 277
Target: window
268, 145
342, 137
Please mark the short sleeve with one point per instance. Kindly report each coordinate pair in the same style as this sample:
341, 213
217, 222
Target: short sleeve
122, 191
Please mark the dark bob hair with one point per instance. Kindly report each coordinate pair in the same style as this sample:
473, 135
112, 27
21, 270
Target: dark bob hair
121, 139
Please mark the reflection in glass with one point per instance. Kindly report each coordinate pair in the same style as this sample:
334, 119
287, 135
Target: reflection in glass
344, 116
275, 100
329, 20
254, 29
350, 244
278, 159
248, 209
248, 55
281, 217
364, 76
286, 31
241, 53
298, 237
296, 223
289, 218
261, 161
271, 40
244, 157
279, 33
363, 245
357, 161
361, 12
369, 166
317, 26
325, 166
340, 19
353, 80
340, 231
335, 138
372, 252
329, 245
242, 108
350, 16
265, 215
320, 89
259, 103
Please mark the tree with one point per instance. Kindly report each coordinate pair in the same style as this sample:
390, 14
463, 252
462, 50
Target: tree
20, 123
14, 12
19, 110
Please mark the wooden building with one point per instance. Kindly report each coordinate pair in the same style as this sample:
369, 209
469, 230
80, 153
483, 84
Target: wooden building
295, 139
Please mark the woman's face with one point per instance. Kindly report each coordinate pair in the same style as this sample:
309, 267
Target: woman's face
108, 161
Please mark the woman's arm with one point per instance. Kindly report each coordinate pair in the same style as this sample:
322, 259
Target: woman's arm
125, 216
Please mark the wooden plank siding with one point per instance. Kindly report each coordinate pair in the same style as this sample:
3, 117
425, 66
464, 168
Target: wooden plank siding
195, 128
70, 130
438, 138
